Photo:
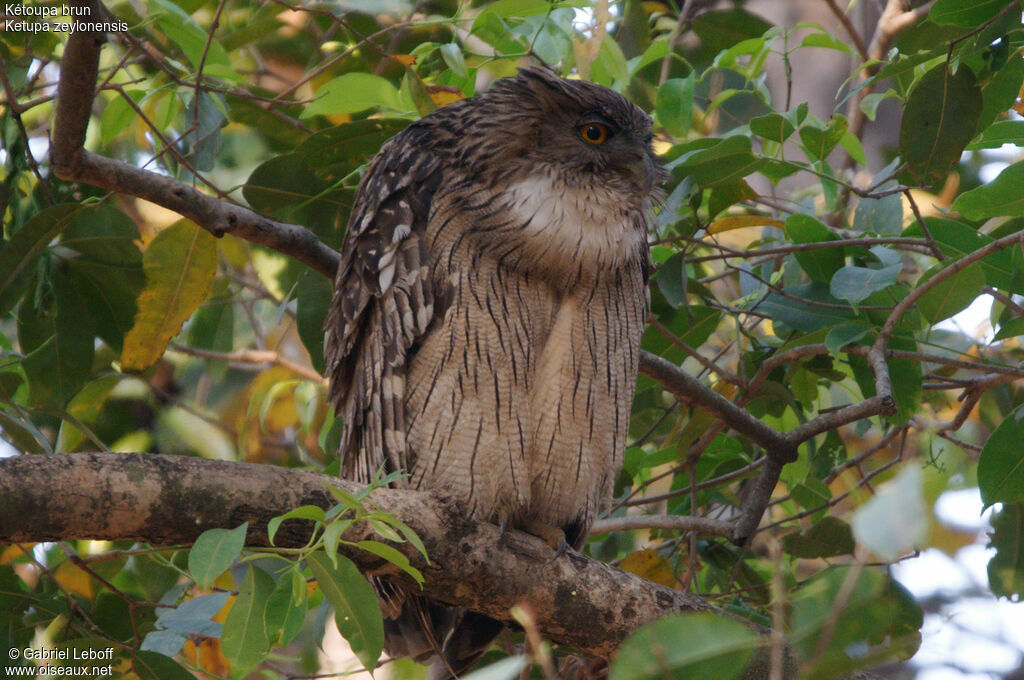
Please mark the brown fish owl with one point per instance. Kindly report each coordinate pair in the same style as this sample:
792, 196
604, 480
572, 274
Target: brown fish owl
485, 329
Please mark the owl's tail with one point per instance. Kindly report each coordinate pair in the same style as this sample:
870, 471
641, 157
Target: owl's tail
449, 639
465, 643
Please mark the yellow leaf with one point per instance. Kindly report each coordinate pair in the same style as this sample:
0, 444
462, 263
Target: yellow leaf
443, 96
180, 265
729, 223
654, 7
11, 552
948, 539
234, 250
73, 579
651, 566
404, 59
210, 658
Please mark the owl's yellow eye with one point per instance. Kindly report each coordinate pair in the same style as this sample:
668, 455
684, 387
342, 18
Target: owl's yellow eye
595, 133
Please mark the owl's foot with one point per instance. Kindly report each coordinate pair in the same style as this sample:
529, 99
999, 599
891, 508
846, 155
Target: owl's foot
502, 528
552, 535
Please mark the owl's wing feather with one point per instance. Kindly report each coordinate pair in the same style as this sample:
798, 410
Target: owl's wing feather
383, 302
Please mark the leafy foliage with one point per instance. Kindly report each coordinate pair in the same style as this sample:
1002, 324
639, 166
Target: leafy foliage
801, 267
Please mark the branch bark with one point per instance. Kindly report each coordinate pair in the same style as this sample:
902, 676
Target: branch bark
75, 92
170, 500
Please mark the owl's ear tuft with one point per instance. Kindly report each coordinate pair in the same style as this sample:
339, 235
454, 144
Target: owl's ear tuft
548, 87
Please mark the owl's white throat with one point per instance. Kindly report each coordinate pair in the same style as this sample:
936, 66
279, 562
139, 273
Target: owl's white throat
570, 224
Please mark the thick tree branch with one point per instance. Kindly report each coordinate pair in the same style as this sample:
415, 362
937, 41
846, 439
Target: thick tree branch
75, 92
170, 500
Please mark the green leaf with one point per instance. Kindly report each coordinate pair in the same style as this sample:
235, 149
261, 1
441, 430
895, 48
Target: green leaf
286, 608
1011, 329
905, 375
1006, 568
822, 264
894, 522
967, 13
1003, 132
184, 32
773, 126
940, 118
345, 498
284, 181
811, 494
844, 334
722, 161
24, 245
356, 609
1001, 91
245, 640
952, 295
289, 187
310, 512
351, 93
313, 295
656, 51
882, 216
85, 407
393, 556
204, 140
22, 434
671, 279
153, 666
194, 616
799, 311
716, 647
118, 115
819, 142
451, 53
57, 340
105, 265
1001, 465
674, 105
332, 536
827, 41
338, 150
956, 239
831, 537
180, 265
410, 536
856, 283
727, 195
1000, 197
12, 589
721, 29
693, 325
213, 325
213, 552
857, 611
869, 105
384, 531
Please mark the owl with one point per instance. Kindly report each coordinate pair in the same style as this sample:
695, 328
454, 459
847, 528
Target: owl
485, 328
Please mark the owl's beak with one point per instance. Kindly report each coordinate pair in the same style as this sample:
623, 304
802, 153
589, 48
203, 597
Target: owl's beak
652, 172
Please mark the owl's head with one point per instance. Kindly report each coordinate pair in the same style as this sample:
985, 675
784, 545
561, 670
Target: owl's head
584, 132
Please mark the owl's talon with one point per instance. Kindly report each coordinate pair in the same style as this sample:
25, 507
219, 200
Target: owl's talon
502, 528
560, 550
552, 535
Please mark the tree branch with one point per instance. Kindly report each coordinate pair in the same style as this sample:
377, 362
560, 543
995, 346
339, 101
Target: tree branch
688, 389
170, 500
75, 92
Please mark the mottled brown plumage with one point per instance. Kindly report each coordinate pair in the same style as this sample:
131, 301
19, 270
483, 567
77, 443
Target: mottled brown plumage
485, 329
